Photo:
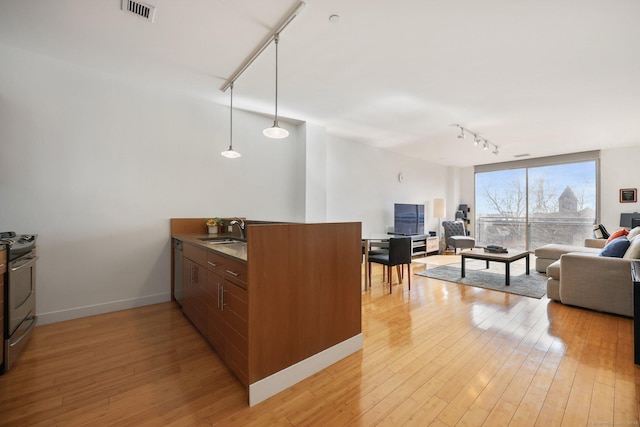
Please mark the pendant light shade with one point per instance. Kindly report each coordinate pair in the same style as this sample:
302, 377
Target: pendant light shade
275, 131
230, 154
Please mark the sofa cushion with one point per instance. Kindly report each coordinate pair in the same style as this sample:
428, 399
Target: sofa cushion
634, 249
616, 248
633, 233
554, 250
619, 233
554, 270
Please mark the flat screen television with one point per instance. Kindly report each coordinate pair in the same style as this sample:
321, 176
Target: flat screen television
626, 219
408, 219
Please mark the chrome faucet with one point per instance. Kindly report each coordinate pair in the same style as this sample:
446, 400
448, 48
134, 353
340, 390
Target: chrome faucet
240, 223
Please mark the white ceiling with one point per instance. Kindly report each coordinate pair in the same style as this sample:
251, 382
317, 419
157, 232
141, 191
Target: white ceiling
540, 77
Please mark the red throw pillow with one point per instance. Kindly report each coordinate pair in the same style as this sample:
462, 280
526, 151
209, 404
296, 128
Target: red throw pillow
619, 233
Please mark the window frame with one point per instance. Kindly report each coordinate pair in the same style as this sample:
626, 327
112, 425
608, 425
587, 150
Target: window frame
563, 159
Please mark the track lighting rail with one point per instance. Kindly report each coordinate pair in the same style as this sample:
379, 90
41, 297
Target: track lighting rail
265, 43
477, 139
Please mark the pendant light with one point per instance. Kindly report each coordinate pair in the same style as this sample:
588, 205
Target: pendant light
230, 154
276, 131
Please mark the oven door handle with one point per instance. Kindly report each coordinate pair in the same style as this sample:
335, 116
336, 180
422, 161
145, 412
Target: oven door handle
33, 320
28, 261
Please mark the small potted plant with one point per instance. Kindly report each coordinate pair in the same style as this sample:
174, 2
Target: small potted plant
214, 224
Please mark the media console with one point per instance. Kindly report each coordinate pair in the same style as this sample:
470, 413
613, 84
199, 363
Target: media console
421, 244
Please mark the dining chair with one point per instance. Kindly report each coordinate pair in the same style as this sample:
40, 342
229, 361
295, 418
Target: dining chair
399, 254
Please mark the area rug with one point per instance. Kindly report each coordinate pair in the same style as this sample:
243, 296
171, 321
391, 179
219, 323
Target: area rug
533, 285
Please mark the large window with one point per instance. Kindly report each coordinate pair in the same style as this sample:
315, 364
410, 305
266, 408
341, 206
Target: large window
524, 205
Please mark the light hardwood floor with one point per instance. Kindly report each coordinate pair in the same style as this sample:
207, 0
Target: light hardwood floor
441, 354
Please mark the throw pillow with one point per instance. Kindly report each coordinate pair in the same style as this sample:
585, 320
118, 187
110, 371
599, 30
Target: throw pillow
600, 232
634, 249
633, 233
616, 248
619, 233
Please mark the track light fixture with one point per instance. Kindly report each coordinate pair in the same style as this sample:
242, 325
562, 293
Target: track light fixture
477, 139
275, 131
230, 154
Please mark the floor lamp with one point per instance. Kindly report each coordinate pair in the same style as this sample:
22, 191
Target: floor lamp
439, 208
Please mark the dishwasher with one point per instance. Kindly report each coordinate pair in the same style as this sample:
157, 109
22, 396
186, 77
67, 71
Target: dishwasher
177, 270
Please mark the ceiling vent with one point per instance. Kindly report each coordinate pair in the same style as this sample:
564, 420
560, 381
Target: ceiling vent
142, 10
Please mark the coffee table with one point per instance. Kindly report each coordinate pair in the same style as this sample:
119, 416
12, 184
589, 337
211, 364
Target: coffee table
505, 258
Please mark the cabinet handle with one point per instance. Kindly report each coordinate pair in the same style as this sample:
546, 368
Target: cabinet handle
212, 264
233, 273
222, 303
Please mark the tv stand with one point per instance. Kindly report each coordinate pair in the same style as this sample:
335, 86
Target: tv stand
423, 244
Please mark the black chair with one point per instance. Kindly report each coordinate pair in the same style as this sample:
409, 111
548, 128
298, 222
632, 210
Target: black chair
399, 254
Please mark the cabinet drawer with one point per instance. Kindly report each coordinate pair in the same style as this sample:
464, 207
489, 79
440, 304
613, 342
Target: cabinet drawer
228, 268
236, 272
236, 340
237, 362
235, 300
234, 323
195, 254
216, 263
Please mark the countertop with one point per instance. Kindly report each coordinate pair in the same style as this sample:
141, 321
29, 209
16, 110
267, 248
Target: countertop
236, 250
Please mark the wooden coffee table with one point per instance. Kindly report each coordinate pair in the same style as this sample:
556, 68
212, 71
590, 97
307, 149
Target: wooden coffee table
505, 258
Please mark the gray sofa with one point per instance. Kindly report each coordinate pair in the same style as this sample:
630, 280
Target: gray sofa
583, 278
548, 254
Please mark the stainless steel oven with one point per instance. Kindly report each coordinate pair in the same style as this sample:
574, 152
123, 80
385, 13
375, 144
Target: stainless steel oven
20, 296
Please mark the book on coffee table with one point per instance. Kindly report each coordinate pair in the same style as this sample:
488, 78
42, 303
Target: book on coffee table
496, 249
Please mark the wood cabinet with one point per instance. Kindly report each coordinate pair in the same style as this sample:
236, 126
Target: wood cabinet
234, 306
215, 315
227, 329
194, 281
291, 307
216, 302
3, 270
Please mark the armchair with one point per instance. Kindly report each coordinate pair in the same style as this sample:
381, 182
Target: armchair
456, 236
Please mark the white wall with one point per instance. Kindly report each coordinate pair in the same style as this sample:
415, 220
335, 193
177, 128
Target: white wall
618, 169
97, 166
315, 138
363, 185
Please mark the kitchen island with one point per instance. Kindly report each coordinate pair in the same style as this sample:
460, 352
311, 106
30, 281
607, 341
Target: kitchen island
285, 308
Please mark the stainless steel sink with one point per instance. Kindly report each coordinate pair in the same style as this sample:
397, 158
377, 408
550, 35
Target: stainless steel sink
220, 240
